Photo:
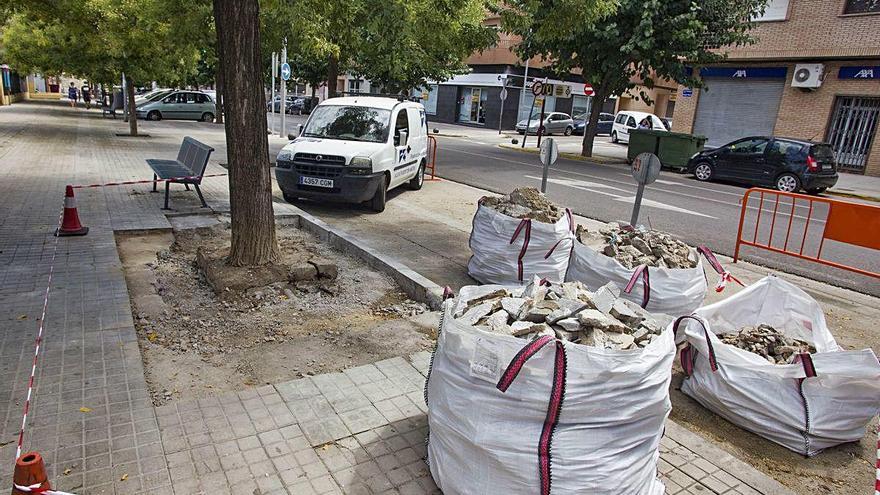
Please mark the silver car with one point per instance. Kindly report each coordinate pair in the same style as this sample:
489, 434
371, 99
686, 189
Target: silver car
185, 105
554, 123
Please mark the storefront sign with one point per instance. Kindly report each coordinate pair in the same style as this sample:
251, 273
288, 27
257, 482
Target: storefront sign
742, 72
859, 72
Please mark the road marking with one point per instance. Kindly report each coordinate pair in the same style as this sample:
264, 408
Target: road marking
588, 186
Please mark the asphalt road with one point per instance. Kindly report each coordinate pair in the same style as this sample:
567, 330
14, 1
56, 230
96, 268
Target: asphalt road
697, 213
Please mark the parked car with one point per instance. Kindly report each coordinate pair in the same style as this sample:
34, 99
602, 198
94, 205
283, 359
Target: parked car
627, 120
785, 164
606, 120
151, 96
355, 149
276, 103
185, 105
554, 122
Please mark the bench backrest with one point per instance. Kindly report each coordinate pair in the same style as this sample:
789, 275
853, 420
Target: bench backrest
194, 156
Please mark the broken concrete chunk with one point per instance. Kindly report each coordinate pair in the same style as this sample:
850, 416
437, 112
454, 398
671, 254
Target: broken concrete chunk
474, 314
520, 328
596, 319
633, 247
768, 342
326, 268
537, 315
497, 322
620, 340
512, 305
302, 272
569, 324
603, 299
626, 314
567, 307
525, 202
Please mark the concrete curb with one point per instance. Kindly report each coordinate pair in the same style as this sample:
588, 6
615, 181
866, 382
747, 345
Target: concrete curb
601, 160
733, 466
864, 197
416, 286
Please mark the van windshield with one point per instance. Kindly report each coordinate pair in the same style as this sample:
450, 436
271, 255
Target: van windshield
349, 123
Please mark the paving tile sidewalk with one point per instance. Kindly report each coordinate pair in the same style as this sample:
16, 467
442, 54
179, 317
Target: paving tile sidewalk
357, 431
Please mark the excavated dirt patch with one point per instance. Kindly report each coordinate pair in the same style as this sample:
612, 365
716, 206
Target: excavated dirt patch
196, 343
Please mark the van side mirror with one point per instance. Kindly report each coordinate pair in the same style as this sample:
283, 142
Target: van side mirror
291, 136
401, 138
299, 131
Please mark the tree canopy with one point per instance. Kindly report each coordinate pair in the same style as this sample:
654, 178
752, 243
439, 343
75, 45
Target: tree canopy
629, 42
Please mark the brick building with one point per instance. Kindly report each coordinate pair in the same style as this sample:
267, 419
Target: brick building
813, 74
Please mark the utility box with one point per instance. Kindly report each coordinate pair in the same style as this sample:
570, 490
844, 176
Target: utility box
673, 148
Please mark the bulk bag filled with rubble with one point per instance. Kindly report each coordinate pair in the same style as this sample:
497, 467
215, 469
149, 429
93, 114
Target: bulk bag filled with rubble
814, 395
516, 416
662, 274
519, 236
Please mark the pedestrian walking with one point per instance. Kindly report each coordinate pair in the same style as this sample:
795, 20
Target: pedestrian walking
86, 92
72, 94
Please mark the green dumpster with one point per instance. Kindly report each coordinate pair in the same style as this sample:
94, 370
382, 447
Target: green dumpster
673, 148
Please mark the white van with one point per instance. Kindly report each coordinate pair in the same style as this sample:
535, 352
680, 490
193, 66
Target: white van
355, 149
627, 120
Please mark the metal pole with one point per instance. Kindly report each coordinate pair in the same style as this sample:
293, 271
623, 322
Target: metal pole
283, 103
636, 205
544, 176
540, 122
523, 97
124, 98
501, 115
272, 105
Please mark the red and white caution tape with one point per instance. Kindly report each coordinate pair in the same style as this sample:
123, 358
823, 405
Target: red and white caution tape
38, 340
148, 181
36, 489
725, 275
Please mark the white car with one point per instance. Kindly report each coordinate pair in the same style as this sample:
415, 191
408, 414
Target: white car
354, 149
627, 120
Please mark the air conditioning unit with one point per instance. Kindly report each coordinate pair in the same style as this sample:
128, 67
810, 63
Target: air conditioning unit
808, 76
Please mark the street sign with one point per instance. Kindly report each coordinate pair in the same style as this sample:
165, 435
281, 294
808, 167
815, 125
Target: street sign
537, 88
562, 90
503, 94
645, 170
588, 90
687, 92
549, 155
285, 71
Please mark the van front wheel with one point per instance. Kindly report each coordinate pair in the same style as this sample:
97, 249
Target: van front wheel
416, 182
377, 204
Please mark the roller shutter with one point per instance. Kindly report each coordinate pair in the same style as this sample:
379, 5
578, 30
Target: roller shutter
729, 109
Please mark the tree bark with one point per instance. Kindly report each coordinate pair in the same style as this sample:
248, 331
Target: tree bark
592, 124
218, 101
332, 76
132, 115
250, 183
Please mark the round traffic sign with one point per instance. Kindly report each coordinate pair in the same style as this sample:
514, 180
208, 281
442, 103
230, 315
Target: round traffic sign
588, 90
537, 88
285, 71
646, 168
549, 152
503, 94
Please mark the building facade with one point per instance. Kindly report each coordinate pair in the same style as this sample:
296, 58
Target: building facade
814, 74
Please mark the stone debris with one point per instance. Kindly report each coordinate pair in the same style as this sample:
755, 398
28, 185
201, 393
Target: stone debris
525, 202
634, 247
567, 311
767, 342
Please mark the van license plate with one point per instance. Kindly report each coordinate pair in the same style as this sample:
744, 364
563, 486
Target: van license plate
314, 181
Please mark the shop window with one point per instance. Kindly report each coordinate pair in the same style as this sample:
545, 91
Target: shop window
776, 10
354, 85
861, 7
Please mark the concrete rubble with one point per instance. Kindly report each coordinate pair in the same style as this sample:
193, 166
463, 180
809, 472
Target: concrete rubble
634, 247
767, 342
525, 202
567, 311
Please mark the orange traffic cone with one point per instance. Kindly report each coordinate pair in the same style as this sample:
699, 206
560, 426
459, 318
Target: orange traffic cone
70, 224
30, 475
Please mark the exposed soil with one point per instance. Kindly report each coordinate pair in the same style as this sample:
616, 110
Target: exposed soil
196, 343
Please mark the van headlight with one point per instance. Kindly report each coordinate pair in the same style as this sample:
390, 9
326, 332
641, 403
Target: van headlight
284, 156
360, 165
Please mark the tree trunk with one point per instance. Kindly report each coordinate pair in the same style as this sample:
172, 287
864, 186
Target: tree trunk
332, 76
132, 115
592, 124
218, 101
250, 183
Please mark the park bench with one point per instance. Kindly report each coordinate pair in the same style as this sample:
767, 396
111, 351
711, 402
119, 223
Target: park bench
188, 168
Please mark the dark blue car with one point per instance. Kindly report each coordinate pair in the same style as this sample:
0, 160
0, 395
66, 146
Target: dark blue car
606, 120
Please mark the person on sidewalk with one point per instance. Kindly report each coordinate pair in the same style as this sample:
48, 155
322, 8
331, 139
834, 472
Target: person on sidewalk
86, 95
72, 94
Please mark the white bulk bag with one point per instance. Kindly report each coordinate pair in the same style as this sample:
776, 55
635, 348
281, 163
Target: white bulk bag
486, 442
673, 291
822, 400
509, 250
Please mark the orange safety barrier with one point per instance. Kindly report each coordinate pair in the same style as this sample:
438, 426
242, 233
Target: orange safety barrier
431, 165
846, 222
